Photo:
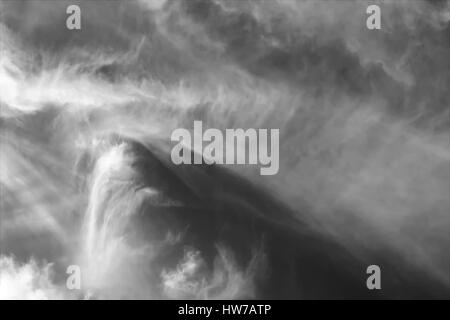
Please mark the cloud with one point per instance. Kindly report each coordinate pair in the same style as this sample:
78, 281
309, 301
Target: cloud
363, 117
27, 281
192, 279
153, 4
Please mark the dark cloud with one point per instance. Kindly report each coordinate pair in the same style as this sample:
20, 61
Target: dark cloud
364, 151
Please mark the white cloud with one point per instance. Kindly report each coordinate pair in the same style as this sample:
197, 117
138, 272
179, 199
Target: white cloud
192, 279
28, 281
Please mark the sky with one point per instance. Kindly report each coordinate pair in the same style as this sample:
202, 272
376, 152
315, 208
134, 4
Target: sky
85, 173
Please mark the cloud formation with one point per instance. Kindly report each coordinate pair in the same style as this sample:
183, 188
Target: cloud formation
363, 116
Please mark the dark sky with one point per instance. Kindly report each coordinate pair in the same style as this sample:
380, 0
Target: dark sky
364, 120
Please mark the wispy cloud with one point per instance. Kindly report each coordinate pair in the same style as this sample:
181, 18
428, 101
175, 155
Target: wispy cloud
363, 117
